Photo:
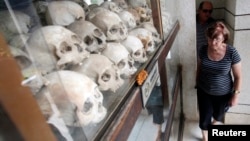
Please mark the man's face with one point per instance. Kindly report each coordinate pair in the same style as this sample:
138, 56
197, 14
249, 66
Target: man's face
205, 12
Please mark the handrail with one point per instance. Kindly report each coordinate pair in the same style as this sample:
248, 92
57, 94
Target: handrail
176, 90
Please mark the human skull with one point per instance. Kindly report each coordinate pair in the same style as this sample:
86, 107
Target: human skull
146, 38
91, 35
145, 15
50, 44
111, 24
135, 47
102, 70
67, 86
128, 19
150, 27
117, 53
63, 12
111, 6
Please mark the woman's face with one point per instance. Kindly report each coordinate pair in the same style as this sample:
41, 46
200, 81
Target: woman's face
216, 42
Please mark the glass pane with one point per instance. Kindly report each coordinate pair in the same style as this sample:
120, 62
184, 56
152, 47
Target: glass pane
69, 78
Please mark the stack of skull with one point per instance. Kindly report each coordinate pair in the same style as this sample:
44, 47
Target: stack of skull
82, 49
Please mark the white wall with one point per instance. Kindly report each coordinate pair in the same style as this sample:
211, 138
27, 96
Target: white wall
186, 41
238, 17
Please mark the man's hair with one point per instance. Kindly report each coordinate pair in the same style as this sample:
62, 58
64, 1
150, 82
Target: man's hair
201, 4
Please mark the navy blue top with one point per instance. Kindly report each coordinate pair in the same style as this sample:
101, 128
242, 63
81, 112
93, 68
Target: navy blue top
215, 77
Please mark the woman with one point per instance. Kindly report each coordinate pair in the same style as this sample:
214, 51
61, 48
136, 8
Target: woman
218, 77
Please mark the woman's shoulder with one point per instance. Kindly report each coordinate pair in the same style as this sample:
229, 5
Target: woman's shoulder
232, 51
231, 48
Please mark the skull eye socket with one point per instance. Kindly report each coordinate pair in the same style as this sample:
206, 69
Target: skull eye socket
88, 40
113, 30
137, 53
121, 64
66, 49
87, 106
150, 44
106, 77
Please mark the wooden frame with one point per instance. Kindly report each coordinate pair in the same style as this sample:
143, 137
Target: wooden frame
18, 100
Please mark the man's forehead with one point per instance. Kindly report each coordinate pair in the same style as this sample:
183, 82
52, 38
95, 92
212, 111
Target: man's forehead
207, 5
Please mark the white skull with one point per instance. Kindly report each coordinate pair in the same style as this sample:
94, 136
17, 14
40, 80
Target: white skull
122, 3
135, 47
150, 27
8, 27
146, 38
111, 6
128, 19
117, 53
103, 71
51, 44
63, 12
111, 24
91, 35
145, 14
82, 92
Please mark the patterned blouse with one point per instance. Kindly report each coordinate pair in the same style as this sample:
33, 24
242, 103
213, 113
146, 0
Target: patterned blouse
215, 77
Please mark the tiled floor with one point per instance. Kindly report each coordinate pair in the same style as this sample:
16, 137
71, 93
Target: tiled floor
146, 130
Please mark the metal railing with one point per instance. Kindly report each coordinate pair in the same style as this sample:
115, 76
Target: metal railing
177, 93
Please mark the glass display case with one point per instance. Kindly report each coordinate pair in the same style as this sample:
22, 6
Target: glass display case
79, 63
